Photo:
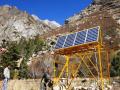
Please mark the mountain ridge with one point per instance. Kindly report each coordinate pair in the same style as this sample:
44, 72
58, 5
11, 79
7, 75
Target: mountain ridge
15, 24
99, 13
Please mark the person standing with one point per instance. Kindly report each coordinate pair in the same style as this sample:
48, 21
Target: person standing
6, 74
46, 79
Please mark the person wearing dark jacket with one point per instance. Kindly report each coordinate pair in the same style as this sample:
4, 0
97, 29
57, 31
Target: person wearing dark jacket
46, 79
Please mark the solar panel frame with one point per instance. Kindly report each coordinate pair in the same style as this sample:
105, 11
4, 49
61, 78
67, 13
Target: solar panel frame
87, 40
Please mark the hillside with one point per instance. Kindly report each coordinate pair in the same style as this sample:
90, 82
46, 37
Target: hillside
15, 24
103, 13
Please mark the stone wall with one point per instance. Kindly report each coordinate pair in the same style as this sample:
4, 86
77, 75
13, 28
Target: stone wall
22, 85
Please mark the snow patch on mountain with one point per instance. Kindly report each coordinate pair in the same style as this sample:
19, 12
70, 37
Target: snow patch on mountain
35, 17
7, 5
52, 24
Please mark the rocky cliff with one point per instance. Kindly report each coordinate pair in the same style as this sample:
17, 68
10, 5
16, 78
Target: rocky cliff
110, 6
15, 24
103, 13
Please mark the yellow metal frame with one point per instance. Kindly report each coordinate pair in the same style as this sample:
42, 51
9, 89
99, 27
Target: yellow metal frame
85, 55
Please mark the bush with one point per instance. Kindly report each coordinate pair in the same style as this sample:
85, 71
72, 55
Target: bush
24, 49
115, 66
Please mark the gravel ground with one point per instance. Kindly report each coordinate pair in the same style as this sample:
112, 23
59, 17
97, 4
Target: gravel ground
35, 84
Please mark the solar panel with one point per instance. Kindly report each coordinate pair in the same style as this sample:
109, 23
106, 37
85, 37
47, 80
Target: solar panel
81, 37
70, 40
60, 42
92, 35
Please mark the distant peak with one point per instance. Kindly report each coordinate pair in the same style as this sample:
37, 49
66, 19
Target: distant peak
36, 17
56, 23
50, 23
6, 5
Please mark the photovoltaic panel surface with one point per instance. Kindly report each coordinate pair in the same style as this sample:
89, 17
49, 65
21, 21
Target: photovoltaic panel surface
60, 42
92, 35
70, 40
81, 37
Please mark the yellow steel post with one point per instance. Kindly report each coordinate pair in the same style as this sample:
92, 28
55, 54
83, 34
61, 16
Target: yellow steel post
100, 63
67, 65
100, 36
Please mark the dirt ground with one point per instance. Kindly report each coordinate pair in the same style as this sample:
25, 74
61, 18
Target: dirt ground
32, 84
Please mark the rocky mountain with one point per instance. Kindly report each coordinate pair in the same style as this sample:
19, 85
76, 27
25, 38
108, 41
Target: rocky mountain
15, 24
103, 13
111, 6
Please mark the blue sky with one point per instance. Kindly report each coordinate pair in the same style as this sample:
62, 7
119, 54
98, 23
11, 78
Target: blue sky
57, 10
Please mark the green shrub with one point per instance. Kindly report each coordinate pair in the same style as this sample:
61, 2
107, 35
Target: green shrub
115, 66
22, 49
